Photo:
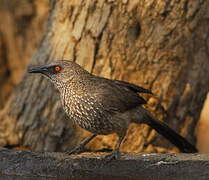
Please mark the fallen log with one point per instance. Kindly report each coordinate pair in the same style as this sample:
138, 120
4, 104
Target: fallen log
18, 164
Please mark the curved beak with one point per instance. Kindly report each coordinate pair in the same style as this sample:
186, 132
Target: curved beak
39, 69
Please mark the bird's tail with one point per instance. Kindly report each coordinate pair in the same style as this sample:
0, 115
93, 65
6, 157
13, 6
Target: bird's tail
169, 134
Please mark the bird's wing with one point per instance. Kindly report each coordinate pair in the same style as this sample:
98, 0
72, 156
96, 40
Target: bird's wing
116, 96
132, 87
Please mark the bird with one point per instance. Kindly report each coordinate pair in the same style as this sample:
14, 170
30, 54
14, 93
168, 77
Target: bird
103, 106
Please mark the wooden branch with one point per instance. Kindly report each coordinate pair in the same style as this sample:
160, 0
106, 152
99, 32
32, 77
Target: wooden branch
31, 165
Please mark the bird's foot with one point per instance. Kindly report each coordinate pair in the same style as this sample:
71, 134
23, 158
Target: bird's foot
77, 150
113, 155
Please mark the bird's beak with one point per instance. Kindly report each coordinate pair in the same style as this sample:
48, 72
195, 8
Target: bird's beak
40, 69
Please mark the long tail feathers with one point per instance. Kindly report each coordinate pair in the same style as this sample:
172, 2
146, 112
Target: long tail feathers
170, 134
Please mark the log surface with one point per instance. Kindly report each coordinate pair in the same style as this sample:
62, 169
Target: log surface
131, 166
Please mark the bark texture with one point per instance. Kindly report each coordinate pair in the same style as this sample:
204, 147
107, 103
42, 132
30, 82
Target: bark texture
24, 165
160, 44
21, 26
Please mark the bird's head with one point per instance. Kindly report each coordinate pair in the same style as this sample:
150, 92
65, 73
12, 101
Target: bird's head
59, 72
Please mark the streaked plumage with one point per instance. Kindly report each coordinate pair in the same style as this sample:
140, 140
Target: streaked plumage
103, 106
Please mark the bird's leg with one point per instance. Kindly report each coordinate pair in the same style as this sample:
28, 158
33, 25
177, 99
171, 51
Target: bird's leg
115, 154
80, 148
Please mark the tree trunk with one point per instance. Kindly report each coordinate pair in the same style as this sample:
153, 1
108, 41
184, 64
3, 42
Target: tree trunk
160, 45
22, 23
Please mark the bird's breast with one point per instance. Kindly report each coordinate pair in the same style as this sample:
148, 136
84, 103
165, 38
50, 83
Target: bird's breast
85, 111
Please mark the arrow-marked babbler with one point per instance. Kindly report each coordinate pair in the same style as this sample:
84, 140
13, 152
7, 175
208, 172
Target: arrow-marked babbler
103, 106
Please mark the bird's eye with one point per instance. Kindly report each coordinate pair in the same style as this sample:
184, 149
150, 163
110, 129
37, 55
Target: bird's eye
57, 68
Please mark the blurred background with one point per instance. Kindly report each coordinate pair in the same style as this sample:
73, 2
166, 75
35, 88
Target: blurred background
22, 26
21, 29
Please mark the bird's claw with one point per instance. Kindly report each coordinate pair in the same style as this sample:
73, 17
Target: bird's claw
76, 150
112, 156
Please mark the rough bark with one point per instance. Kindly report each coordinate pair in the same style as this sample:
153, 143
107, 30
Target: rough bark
160, 45
134, 166
21, 26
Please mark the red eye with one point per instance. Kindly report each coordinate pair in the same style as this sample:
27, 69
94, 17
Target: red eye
57, 68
